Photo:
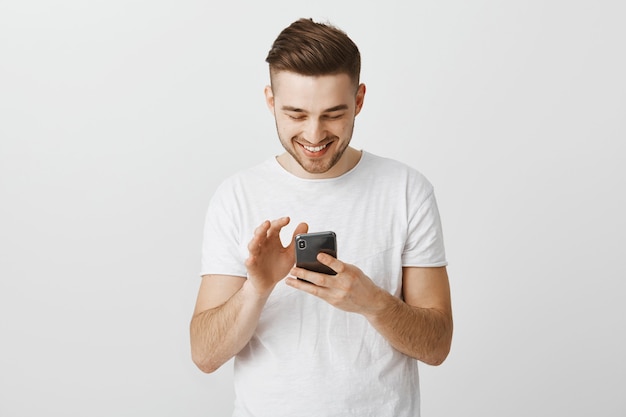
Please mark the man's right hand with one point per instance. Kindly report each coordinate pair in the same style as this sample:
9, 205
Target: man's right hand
269, 261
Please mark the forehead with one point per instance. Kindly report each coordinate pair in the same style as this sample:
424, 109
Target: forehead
305, 91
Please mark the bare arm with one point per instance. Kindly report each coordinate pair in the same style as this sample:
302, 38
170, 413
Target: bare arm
419, 326
228, 307
220, 329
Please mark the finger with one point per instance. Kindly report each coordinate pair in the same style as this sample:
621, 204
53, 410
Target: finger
331, 262
301, 228
262, 229
310, 276
250, 261
305, 286
276, 225
260, 233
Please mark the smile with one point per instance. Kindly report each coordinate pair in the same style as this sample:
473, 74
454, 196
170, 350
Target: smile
314, 148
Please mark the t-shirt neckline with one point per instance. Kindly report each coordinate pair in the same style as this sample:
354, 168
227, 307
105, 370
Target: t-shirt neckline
277, 166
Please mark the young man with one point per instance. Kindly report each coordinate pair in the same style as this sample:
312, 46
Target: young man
324, 345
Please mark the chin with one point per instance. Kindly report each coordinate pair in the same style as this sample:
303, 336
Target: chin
314, 168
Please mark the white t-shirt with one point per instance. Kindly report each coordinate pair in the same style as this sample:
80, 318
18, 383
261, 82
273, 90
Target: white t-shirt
307, 358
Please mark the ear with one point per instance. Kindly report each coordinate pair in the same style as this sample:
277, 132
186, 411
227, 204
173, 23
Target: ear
269, 98
360, 97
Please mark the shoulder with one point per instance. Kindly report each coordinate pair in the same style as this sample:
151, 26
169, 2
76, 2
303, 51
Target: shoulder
395, 172
247, 177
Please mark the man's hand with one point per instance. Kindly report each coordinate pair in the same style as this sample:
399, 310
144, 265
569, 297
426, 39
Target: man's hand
350, 290
268, 261
419, 326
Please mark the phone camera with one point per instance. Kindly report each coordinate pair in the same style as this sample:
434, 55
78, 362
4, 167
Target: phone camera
301, 244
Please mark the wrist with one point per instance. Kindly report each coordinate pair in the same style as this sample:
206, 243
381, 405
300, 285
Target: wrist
381, 305
253, 290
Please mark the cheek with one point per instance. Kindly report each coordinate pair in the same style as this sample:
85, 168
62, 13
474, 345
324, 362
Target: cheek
286, 131
344, 130
288, 127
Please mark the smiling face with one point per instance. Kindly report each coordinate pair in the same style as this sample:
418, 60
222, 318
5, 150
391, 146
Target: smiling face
315, 119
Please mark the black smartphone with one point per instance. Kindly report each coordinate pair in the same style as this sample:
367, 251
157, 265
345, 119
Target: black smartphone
308, 245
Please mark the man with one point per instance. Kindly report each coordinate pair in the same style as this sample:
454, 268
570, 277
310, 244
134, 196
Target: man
322, 345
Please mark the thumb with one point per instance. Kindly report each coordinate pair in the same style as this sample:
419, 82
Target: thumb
300, 228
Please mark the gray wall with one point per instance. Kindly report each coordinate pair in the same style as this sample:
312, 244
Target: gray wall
118, 119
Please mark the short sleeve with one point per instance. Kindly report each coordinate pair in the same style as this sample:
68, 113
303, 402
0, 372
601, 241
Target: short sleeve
223, 252
424, 245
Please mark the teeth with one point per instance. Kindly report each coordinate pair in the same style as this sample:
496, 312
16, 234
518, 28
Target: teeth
314, 148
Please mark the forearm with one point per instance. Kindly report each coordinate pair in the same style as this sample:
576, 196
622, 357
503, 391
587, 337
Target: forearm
422, 333
219, 333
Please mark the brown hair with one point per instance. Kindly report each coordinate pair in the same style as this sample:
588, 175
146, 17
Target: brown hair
309, 48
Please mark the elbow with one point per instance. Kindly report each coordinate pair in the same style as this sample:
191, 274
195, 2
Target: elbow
439, 353
207, 368
436, 359
202, 354
204, 358
205, 363
436, 356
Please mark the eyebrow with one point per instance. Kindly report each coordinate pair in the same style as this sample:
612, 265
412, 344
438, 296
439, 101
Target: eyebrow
329, 110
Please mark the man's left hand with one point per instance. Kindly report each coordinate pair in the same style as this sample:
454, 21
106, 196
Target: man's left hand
350, 290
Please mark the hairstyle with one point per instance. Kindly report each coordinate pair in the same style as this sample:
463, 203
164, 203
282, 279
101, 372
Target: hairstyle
309, 48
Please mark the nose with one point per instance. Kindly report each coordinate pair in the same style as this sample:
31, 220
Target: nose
314, 131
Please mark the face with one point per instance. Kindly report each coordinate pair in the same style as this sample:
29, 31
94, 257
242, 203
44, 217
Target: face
314, 119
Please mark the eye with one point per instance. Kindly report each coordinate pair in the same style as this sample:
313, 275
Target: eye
333, 116
296, 116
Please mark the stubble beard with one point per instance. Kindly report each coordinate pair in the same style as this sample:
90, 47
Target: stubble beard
320, 166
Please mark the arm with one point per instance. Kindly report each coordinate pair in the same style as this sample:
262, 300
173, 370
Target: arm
227, 311
419, 326
228, 307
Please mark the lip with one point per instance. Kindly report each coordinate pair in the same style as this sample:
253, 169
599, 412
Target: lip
317, 154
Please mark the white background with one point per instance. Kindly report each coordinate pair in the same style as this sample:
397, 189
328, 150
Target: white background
119, 118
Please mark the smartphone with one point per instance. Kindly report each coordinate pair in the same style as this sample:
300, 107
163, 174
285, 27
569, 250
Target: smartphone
308, 245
